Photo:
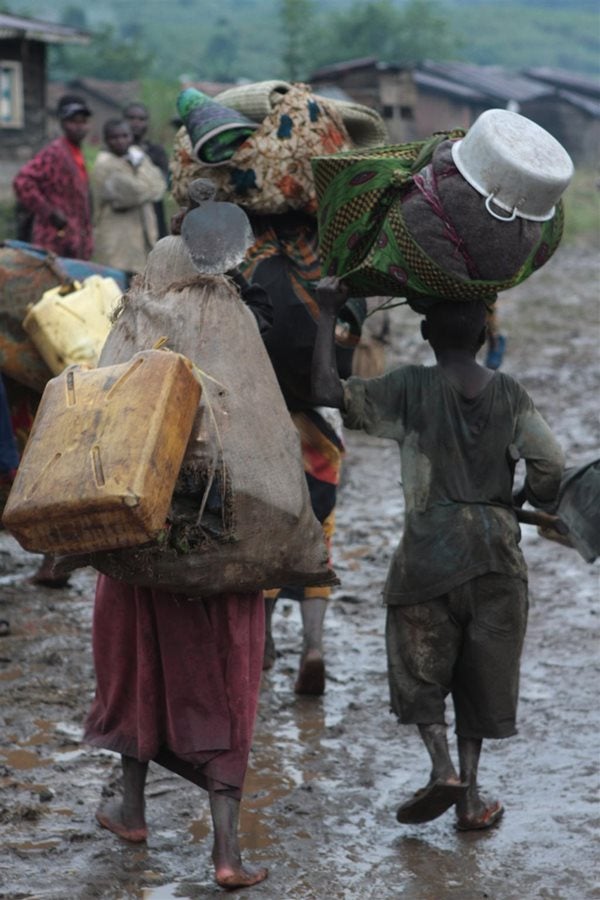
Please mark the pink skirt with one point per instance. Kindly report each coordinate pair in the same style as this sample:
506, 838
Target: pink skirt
177, 681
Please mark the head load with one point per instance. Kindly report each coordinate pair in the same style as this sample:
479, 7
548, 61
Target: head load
256, 141
460, 216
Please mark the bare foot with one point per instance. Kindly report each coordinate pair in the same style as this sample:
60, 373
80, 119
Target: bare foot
311, 677
239, 876
110, 815
45, 575
475, 814
270, 654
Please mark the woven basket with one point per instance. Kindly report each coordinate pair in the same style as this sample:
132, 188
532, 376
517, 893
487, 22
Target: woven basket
364, 125
270, 173
253, 100
364, 238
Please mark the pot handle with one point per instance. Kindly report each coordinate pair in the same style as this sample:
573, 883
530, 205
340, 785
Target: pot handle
511, 218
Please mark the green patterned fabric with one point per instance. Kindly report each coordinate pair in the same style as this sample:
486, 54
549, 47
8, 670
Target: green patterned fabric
364, 239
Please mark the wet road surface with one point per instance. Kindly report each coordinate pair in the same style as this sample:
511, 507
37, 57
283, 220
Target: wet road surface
326, 774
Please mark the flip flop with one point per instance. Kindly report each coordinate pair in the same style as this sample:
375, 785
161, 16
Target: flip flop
430, 802
490, 817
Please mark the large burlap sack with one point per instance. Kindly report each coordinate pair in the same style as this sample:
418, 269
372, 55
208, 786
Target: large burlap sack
382, 235
241, 517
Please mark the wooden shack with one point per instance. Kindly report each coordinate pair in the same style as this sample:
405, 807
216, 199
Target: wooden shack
386, 87
23, 73
416, 100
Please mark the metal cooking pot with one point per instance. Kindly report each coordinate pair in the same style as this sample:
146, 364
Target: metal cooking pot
515, 164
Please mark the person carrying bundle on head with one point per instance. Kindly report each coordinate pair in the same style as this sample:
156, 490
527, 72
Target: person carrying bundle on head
456, 591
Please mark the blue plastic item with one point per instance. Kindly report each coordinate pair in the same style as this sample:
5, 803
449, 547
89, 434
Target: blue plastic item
495, 354
77, 269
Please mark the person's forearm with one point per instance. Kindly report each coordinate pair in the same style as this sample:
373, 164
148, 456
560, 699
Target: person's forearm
32, 197
326, 386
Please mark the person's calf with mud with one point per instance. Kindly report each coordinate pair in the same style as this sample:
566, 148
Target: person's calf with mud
456, 592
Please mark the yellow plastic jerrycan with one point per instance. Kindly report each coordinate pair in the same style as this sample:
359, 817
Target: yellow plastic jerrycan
69, 328
104, 453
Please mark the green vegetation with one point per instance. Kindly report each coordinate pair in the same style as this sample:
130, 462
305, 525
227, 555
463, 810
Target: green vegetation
7, 220
520, 35
109, 57
255, 39
161, 43
582, 209
159, 96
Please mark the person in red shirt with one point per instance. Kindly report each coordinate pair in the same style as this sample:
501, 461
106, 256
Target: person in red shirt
53, 186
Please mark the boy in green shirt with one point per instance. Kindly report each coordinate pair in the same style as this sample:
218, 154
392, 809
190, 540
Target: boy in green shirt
456, 591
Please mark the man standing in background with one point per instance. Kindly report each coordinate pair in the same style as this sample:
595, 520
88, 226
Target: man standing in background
53, 186
125, 187
138, 117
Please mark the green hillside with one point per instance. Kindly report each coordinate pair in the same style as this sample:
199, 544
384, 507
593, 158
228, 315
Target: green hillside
231, 39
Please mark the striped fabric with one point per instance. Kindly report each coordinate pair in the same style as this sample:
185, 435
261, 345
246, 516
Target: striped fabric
322, 452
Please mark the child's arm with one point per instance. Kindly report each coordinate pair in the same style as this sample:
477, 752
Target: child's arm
544, 459
327, 387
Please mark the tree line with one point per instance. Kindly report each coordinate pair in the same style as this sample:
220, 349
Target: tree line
256, 39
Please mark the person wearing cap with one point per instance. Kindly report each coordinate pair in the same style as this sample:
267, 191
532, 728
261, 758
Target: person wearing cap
456, 590
54, 187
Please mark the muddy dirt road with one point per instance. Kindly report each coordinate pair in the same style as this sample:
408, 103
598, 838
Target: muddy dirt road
326, 775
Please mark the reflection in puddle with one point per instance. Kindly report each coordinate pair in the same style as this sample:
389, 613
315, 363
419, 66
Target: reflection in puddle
39, 737
166, 892
20, 758
199, 830
35, 846
11, 674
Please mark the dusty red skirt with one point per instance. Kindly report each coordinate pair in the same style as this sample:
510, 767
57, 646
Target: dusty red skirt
177, 681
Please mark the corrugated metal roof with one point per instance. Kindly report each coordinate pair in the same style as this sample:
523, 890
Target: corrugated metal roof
333, 92
493, 81
363, 62
212, 88
570, 81
433, 82
114, 93
35, 30
585, 103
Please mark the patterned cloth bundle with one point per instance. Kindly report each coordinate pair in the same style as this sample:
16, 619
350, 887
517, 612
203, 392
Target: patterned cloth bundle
400, 221
266, 170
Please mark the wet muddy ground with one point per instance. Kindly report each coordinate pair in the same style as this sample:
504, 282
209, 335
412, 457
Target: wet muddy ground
326, 775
